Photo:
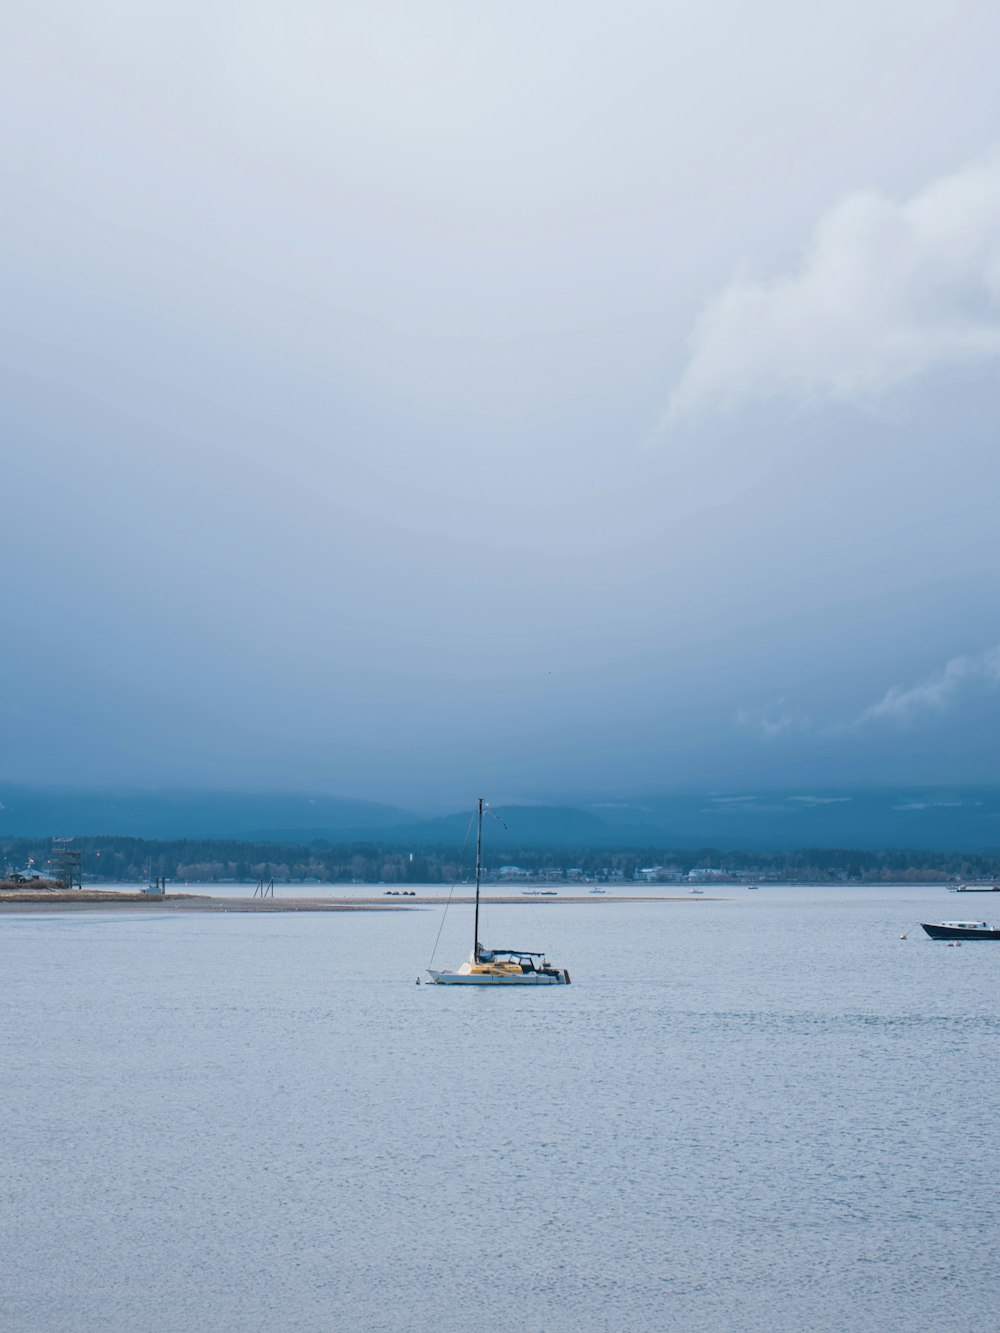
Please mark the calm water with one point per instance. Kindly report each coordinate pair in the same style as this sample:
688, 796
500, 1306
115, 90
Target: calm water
768, 1113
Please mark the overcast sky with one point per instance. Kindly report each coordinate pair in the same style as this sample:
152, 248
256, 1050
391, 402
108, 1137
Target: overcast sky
548, 400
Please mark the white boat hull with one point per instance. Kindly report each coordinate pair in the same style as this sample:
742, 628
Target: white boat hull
491, 979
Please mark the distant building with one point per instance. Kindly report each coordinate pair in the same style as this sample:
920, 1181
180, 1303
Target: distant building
513, 872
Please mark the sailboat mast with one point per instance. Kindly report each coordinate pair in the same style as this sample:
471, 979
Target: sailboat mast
479, 871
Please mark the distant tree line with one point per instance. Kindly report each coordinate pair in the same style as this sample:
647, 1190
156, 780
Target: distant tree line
109, 859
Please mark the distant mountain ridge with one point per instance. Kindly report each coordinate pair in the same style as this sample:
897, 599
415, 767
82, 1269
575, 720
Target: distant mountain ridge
945, 820
34, 812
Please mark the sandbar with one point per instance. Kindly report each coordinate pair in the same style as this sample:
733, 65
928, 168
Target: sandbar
104, 900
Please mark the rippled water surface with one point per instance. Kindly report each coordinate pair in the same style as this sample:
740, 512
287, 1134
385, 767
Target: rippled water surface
763, 1113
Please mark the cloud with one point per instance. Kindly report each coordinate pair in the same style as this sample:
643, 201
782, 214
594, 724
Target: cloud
821, 800
746, 805
885, 291
934, 805
771, 720
939, 691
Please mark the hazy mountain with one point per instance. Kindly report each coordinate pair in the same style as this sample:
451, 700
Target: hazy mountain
963, 819
945, 820
34, 811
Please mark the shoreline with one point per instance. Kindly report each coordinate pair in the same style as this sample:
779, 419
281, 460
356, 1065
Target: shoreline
101, 900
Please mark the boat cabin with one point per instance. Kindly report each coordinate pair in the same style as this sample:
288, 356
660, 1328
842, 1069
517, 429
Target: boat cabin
522, 958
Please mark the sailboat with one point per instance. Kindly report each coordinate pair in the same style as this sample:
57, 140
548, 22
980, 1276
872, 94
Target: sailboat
498, 967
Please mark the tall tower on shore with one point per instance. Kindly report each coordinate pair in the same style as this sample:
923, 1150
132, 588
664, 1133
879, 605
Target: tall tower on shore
67, 863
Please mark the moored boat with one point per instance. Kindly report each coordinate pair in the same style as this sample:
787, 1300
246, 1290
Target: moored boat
499, 967
961, 930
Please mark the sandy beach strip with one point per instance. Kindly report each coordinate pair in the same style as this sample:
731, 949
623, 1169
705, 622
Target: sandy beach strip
184, 902
102, 900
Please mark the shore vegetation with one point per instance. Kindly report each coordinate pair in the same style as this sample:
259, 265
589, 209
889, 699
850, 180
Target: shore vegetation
111, 860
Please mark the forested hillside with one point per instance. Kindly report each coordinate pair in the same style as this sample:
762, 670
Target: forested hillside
133, 860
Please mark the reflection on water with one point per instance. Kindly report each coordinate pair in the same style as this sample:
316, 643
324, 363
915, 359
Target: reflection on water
765, 1113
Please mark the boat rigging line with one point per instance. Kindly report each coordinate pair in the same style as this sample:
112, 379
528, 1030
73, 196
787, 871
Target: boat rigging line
461, 863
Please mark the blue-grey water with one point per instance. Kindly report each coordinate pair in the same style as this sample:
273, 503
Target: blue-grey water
764, 1113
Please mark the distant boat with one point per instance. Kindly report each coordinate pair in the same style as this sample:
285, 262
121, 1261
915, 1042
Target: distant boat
961, 930
597, 890
540, 893
499, 967
752, 888
976, 888
696, 890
